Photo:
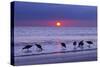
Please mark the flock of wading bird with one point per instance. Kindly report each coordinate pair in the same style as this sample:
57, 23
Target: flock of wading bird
76, 45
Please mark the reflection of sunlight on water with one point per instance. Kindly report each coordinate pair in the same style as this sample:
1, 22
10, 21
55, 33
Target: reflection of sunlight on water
58, 47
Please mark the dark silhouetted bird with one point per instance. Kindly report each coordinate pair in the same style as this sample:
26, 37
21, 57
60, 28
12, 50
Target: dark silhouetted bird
27, 47
74, 44
81, 44
63, 45
89, 42
39, 46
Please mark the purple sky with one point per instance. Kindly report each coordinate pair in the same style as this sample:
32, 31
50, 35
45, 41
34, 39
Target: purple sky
44, 14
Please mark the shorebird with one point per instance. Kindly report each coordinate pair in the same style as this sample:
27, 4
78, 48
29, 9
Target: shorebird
27, 47
39, 46
63, 45
89, 42
80, 45
74, 44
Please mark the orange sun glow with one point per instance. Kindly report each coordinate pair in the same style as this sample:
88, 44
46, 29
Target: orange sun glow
58, 24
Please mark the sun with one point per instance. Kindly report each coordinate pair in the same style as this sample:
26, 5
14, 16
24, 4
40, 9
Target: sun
58, 24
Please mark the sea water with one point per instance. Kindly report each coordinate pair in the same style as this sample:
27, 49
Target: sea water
51, 37
33, 33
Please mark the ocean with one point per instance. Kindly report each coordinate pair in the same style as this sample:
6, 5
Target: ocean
50, 39
39, 33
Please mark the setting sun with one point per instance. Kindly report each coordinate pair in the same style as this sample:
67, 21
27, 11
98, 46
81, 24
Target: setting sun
58, 24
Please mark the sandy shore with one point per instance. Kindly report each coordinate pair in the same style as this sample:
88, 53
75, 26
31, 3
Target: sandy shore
89, 55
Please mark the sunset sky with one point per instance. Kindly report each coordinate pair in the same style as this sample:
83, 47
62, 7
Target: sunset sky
44, 14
